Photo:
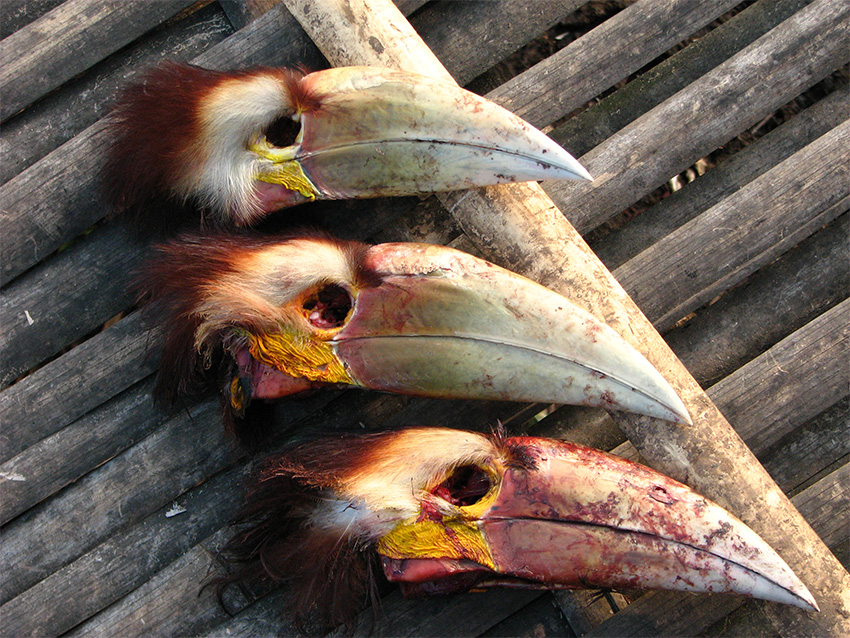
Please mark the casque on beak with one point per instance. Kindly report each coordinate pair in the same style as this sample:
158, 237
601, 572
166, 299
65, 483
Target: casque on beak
432, 321
380, 132
558, 515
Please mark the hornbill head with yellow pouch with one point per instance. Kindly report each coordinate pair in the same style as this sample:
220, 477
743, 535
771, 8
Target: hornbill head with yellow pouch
290, 314
446, 510
242, 144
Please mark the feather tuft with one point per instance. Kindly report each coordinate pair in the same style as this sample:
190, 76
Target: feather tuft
181, 134
205, 291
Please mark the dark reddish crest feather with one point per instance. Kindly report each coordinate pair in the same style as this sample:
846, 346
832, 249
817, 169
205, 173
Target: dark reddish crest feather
152, 124
303, 98
328, 575
171, 284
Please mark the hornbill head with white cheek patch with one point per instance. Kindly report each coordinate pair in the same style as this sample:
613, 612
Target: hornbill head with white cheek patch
447, 510
242, 144
288, 314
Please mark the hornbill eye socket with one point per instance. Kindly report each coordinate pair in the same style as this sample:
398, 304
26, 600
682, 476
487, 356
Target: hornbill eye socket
283, 132
328, 307
466, 485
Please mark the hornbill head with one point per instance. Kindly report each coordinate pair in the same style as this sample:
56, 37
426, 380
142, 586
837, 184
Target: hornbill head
292, 314
243, 144
447, 510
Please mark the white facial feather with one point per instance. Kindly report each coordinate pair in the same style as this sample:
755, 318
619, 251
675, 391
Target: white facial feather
391, 486
233, 115
264, 281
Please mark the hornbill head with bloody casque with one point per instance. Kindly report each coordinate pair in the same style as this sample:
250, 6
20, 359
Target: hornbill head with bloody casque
243, 144
289, 314
448, 510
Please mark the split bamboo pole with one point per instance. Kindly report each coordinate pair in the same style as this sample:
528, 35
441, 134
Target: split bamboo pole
520, 228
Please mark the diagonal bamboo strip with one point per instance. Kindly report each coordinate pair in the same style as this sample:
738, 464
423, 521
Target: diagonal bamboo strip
519, 227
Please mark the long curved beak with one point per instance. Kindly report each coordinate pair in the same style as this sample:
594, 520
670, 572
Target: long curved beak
380, 132
571, 517
445, 323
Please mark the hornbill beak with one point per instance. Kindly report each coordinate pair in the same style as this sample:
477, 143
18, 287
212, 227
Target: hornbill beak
259, 141
418, 319
448, 511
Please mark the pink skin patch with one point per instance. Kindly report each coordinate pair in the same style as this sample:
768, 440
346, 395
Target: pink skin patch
268, 383
272, 197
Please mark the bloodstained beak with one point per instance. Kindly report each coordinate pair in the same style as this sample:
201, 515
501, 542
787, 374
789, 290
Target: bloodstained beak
567, 517
380, 132
444, 323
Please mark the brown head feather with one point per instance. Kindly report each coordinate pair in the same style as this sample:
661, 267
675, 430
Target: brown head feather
182, 132
151, 127
179, 282
308, 520
275, 543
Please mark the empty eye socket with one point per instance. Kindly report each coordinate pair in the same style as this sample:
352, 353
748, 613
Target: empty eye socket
328, 307
467, 485
282, 132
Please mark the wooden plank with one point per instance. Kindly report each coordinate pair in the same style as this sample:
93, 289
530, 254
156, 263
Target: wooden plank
466, 614
711, 110
668, 613
65, 389
243, 12
584, 609
189, 611
56, 461
744, 622
540, 618
601, 120
89, 282
262, 619
720, 181
68, 40
187, 449
485, 39
125, 561
15, 14
815, 445
814, 361
590, 65
57, 117
743, 232
827, 505
780, 298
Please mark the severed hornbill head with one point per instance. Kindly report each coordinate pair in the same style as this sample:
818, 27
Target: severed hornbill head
289, 314
243, 144
447, 510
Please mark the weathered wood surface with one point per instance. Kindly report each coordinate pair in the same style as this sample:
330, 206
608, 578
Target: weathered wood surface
57, 117
101, 465
69, 39
794, 55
